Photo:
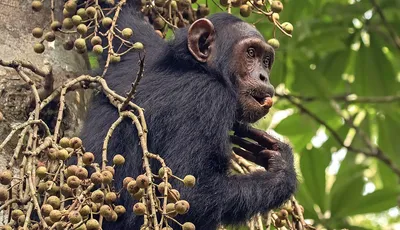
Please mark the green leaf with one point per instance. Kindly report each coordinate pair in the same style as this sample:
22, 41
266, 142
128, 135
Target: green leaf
332, 143
323, 110
309, 82
278, 72
93, 62
332, 67
374, 76
322, 39
389, 126
378, 201
295, 10
347, 188
305, 199
264, 122
290, 127
313, 164
386, 175
358, 140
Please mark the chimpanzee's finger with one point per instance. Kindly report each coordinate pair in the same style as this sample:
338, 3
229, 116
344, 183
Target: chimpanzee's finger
263, 138
271, 160
248, 145
269, 153
245, 154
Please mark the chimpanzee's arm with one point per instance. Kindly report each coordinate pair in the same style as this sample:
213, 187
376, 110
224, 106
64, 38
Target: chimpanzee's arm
236, 198
264, 190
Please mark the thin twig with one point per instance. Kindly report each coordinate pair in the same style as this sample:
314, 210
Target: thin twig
392, 32
375, 152
23, 125
132, 92
17, 63
110, 35
8, 202
18, 148
335, 135
143, 143
107, 139
351, 98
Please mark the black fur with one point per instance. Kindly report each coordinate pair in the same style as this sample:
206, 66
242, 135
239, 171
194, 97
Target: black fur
190, 109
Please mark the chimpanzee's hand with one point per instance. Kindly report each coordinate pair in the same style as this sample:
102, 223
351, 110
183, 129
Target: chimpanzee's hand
268, 152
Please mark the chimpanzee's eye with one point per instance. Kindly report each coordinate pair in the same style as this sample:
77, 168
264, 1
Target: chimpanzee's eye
267, 61
251, 52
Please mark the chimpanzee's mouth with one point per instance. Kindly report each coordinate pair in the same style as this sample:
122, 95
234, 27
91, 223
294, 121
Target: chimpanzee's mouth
264, 100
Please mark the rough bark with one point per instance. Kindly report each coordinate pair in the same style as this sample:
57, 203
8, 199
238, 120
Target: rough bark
16, 43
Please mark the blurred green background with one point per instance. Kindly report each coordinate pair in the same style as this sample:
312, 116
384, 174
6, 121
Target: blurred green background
338, 104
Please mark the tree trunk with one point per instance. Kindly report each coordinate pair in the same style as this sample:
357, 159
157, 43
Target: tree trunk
16, 43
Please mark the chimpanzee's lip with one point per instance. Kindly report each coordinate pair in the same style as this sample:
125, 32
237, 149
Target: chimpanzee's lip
264, 100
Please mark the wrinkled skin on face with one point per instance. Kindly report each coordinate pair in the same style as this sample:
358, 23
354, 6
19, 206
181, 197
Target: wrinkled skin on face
254, 59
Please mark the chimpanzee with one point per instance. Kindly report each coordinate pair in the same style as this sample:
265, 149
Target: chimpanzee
213, 77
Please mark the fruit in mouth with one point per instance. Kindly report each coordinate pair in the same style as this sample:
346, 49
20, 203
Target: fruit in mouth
264, 101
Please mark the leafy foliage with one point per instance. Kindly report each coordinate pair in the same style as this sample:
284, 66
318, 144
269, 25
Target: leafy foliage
341, 59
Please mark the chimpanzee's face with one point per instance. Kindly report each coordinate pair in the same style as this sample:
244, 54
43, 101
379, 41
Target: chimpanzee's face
252, 64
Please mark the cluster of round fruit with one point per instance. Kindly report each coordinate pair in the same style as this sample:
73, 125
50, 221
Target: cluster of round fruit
287, 27
6, 177
180, 13
285, 216
88, 19
164, 15
64, 193
137, 189
71, 196
89, 22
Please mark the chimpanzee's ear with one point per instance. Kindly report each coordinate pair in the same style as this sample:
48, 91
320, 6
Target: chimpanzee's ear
200, 37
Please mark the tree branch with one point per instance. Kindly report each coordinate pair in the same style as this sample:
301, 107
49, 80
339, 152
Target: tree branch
139, 76
374, 152
351, 98
392, 33
46, 73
